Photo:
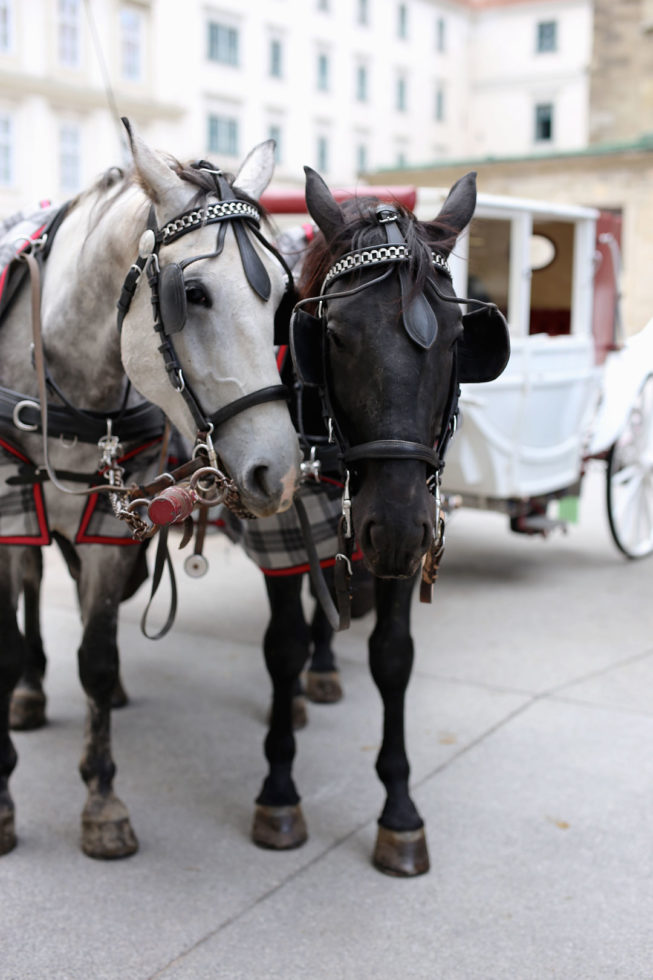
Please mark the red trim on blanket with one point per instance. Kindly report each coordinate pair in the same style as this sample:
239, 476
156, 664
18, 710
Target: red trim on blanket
43, 537
82, 537
302, 569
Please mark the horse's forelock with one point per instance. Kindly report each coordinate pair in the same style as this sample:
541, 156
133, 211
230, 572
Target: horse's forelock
361, 229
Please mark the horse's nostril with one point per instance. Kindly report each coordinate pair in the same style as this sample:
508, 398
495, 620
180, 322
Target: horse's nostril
259, 480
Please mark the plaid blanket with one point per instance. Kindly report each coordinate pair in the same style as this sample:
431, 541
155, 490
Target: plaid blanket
23, 514
276, 543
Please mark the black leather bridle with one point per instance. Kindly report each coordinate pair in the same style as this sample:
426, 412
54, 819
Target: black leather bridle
308, 335
167, 287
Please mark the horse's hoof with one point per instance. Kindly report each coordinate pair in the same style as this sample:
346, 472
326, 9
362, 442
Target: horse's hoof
27, 709
402, 853
119, 696
323, 688
299, 712
106, 829
7, 832
279, 827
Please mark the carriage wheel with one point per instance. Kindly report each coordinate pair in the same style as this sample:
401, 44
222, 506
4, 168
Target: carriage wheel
630, 479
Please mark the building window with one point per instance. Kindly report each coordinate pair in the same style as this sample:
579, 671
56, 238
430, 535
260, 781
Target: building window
361, 83
131, 44
400, 94
274, 133
402, 20
6, 26
323, 72
440, 34
323, 5
547, 36
276, 58
6, 150
363, 12
322, 154
68, 32
223, 44
69, 158
439, 103
361, 158
401, 157
223, 135
543, 122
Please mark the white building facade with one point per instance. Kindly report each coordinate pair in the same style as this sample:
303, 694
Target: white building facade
347, 86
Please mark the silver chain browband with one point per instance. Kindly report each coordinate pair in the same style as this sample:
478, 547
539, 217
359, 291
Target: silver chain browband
377, 256
207, 215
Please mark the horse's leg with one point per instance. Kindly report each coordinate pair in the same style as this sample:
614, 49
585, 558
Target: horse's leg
27, 709
12, 659
278, 819
106, 828
401, 842
322, 676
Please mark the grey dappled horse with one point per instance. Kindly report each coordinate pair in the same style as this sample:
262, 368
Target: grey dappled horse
216, 286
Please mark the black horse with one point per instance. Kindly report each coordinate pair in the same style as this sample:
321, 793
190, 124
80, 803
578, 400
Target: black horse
386, 351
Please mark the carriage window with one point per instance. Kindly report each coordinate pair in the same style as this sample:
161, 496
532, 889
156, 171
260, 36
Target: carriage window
6, 26
223, 44
552, 246
223, 135
6, 150
68, 33
131, 44
489, 261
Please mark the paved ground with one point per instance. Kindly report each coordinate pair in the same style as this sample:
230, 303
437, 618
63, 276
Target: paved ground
530, 731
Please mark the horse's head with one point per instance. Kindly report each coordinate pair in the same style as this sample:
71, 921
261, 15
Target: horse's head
387, 350
214, 290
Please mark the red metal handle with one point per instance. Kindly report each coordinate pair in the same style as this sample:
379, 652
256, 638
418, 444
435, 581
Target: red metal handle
172, 505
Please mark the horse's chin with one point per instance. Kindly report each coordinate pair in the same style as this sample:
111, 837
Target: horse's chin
383, 567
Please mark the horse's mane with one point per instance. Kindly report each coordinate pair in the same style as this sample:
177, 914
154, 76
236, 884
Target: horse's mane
361, 229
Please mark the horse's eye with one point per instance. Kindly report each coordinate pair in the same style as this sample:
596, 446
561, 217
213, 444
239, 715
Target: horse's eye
197, 295
335, 339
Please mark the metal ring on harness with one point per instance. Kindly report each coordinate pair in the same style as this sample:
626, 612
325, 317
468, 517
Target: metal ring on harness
25, 426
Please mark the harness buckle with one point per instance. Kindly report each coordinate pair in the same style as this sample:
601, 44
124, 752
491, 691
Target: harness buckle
346, 508
312, 467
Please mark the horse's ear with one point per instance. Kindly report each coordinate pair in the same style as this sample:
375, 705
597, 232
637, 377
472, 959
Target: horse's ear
458, 208
322, 205
159, 181
256, 170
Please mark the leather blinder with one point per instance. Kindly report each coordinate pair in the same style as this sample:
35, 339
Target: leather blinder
306, 348
484, 348
172, 298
